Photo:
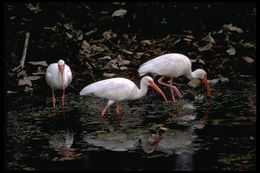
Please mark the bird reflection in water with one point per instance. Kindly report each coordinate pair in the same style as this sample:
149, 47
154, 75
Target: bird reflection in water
61, 142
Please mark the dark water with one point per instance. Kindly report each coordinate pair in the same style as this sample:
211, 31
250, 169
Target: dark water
191, 134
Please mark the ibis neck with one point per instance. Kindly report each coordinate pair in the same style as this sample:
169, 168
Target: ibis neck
191, 75
60, 77
140, 92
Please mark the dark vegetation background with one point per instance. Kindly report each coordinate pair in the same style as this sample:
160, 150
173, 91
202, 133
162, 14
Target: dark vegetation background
223, 35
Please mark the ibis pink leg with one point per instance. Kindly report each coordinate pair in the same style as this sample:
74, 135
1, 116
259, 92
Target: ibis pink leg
176, 89
172, 88
53, 98
110, 102
103, 112
172, 93
63, 98
118, 112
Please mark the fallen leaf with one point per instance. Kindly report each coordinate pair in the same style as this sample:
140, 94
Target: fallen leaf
54, 28
247, 45
105, 58
108, 75
127, 52
109, 34
88, 48
119, 13
33, 8
232, 28
187, 39
210, 42
10, 92
40, 71
27, 80
123, 68
68, 26
26, 89
206, 47
231, 51
42, 63
138, 55
148, 42
109, 65
189, 36
248, 59
209, 38
90, 32
97, 48
122, 62
33, 77
69, 35
24, 81
177, 41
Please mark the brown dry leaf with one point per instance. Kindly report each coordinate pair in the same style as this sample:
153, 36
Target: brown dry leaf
232, 28
187, 39
68, 26
27, 80
138, 55
248, 59
69, 35
97, 48
176, 41
24, 81
40, 71
119, 13
209, 38
121, 61
87, 48
85, 45
123, 68
146, 42
110, 65
127, 52
231, 51
109, 34
33, 77
109, 75
206, 47
42, 63
210, 42
11, 92
105, 58
247, 45
26, 89
90, 32
33, 8
54, 28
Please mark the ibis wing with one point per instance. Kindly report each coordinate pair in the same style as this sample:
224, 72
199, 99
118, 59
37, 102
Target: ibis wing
113, 89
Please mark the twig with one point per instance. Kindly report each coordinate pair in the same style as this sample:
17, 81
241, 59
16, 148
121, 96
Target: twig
25, 49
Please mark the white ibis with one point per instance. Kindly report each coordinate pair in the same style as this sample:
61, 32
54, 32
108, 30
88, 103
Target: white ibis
120, 89
58, 76
173, 65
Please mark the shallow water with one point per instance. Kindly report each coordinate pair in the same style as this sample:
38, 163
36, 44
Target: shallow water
194, 133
